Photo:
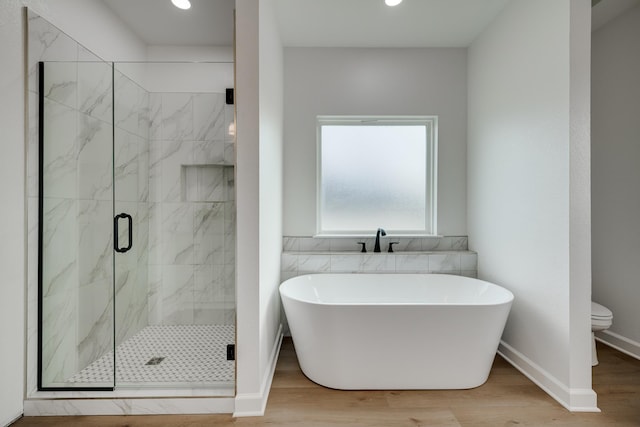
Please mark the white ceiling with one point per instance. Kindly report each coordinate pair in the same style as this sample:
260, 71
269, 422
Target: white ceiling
331, 23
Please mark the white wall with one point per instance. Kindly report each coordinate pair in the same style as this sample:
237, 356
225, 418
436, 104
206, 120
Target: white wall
166, 70
528, 183
616, 176
159, 53
350, 81
259, 200
12, 226
200, 77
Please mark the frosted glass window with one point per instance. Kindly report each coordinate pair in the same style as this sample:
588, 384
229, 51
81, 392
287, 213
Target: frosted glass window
376, 172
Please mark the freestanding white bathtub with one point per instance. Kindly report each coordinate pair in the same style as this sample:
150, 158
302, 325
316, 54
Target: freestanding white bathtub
395, 331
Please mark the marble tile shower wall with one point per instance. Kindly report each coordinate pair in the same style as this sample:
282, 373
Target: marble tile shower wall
448, 254
192, 210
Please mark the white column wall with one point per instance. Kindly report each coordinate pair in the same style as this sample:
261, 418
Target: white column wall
528, 185
247, 204
259, 200
581, 395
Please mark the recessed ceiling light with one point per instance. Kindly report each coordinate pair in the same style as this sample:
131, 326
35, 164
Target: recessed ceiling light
392, 2
183, 4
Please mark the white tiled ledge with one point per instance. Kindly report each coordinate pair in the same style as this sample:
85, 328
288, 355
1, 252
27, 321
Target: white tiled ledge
405, 244
296, 263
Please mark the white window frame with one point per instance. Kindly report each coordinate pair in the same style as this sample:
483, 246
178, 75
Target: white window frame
431, 196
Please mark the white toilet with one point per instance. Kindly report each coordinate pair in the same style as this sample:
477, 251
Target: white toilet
601, 319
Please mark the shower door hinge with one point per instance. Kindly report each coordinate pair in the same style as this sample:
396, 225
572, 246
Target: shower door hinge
231, 352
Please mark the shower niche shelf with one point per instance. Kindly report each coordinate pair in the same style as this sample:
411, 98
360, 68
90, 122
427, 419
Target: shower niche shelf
207, 183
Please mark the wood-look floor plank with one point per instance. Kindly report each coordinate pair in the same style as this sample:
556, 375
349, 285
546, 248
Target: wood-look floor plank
508, 398
370, 417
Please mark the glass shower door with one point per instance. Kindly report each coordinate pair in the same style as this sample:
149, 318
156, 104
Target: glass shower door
76, 315
174, 195
131, 228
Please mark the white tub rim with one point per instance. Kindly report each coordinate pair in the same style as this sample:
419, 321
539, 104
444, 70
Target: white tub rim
505, 295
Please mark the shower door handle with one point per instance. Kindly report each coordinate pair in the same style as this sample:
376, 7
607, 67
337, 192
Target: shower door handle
116, 245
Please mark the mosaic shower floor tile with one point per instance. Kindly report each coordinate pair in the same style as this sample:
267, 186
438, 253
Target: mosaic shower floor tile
167, 354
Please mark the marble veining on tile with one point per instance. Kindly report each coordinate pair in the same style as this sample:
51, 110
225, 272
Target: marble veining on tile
447, 254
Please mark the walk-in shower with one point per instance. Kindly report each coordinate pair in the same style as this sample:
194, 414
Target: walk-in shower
136, 225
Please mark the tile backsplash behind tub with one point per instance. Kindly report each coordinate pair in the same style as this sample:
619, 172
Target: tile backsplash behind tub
447, 254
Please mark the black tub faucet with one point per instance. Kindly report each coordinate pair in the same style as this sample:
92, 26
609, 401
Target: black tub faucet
380, 232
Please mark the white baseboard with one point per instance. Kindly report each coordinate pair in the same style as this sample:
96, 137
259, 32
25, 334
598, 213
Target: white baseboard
620, 343
575, 400
11, 419
254, 404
